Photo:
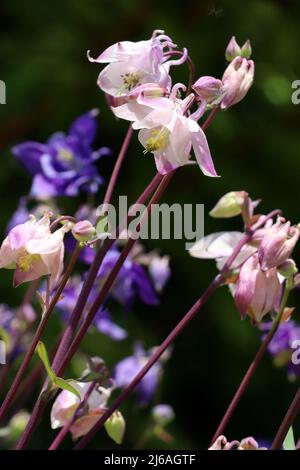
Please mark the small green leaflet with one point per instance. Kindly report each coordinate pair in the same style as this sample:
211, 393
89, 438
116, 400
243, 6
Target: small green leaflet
102, 225
289, 441
57, 381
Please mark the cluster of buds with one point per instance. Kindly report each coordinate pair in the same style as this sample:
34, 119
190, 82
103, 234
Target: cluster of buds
139, 86
235, 83
262, 265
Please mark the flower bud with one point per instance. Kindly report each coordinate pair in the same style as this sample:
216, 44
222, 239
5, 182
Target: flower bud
229, 205
288, 268
18, 423
237, 79
209, 89
163, 414
115, 427
277, 245
246, 50
256, 291
233, 50
83, 231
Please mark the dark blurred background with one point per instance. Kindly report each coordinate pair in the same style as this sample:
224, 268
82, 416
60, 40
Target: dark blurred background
255, 146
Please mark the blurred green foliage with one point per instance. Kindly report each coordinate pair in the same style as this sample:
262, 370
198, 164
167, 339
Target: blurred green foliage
255, 147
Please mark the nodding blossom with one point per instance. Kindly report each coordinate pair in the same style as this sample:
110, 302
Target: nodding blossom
237, 80
257, 291
167, 132
33, 251
132, 64
65, 164
67, 403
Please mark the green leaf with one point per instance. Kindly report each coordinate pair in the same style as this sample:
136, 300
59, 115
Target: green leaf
42, 352
115, 427
57, 381
65, 385
102, 225
289, 441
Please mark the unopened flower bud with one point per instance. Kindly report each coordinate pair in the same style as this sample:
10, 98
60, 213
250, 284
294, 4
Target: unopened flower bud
277, 244
246, 50
115, 427
237, 80
233, 50
18, 423
83, 231
163, 414
209, 89
229, 205
288, 268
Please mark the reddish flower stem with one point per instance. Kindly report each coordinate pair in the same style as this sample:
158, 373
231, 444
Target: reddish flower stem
176, 331
287, 422
117, 167
68, 354
250, 372
38, 334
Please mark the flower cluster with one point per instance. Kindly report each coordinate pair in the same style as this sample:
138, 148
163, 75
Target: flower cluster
139, 85
262, 264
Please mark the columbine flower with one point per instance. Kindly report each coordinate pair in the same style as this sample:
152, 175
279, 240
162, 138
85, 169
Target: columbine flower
132, 280
67, 403
127, 369
132, 64
167, 132
248, 443
281, 346
256, 291
219, 246
66, 163
277, 244
33, 251
237, 80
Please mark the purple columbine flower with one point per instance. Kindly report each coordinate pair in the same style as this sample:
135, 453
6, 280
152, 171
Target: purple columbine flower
281, 345
65, 164
126, 370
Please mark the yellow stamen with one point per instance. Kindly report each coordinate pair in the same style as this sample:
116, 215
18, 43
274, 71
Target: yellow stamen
26, 261
65, 155
158, 140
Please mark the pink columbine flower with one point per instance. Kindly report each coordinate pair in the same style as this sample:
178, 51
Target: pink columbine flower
167, 132
67, 403
256, 291
277, 244
33, 251
237, 79
135, 63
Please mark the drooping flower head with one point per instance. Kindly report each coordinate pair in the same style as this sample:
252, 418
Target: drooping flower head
167, 132
32, 250
67, 403
65, 164
132, 64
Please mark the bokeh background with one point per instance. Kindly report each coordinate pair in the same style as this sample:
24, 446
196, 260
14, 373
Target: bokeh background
255, 146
